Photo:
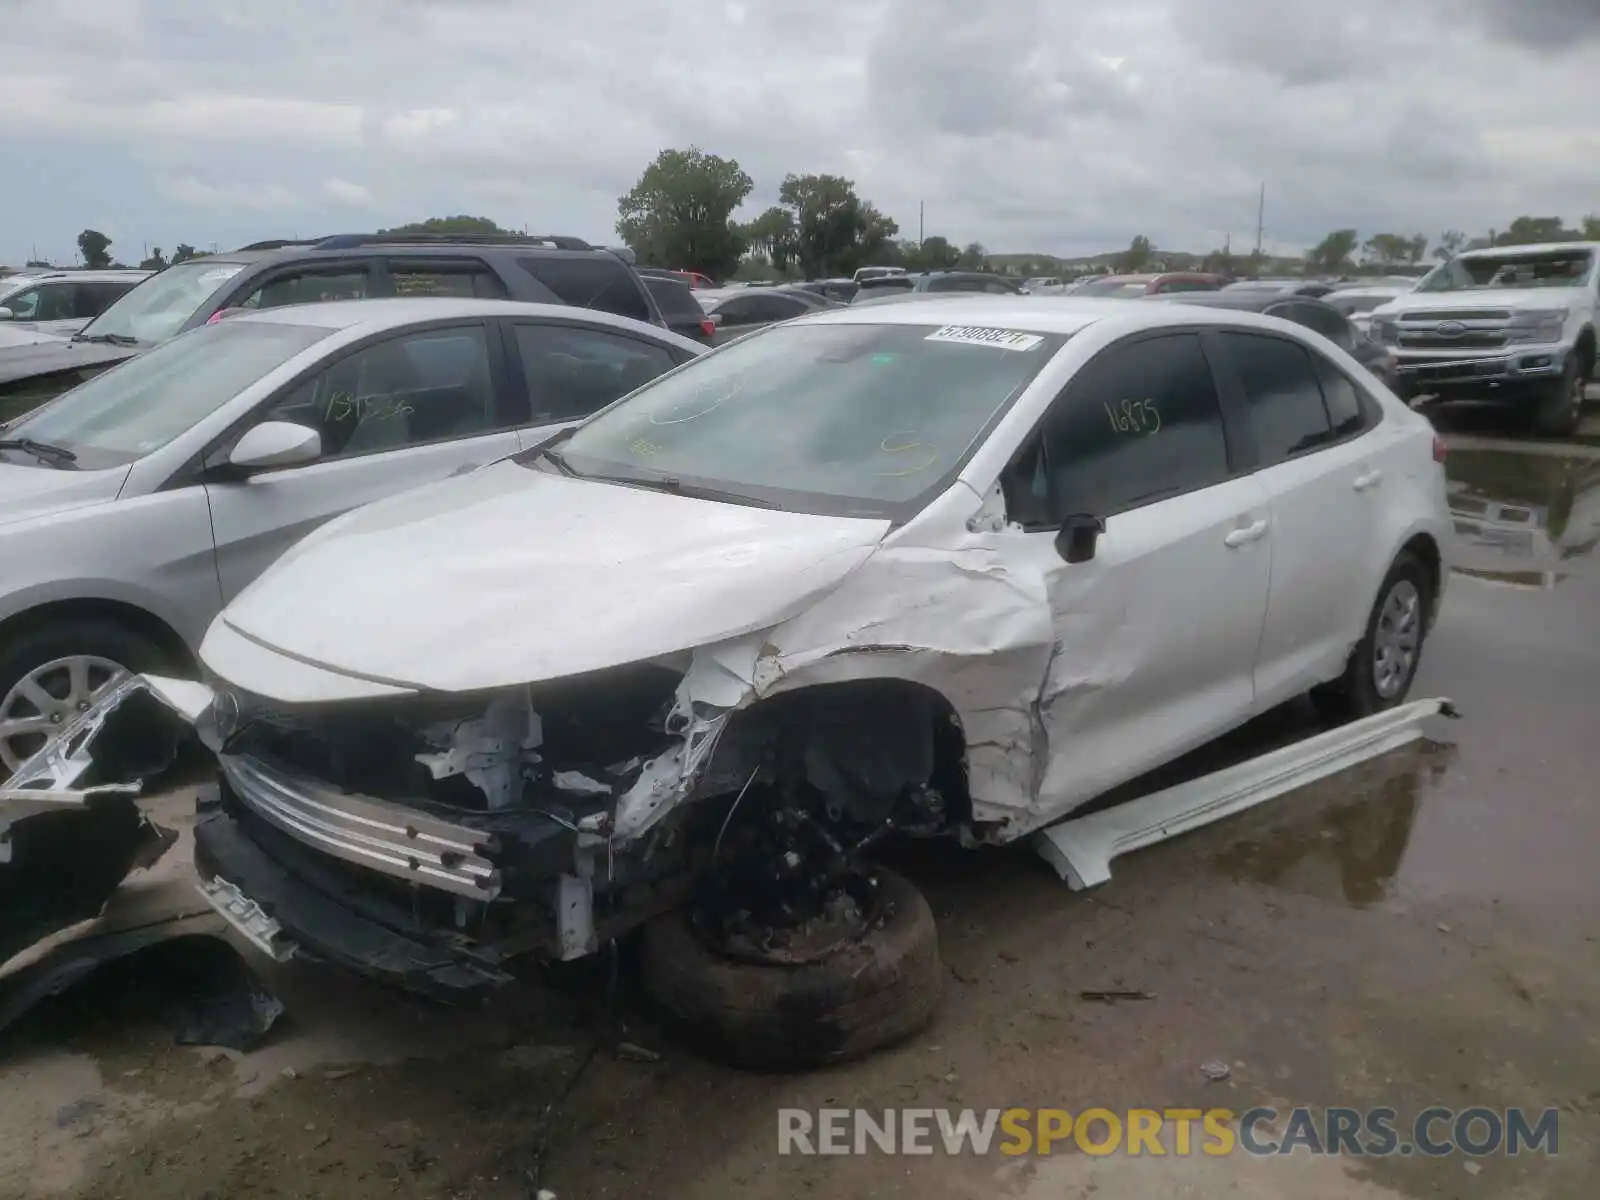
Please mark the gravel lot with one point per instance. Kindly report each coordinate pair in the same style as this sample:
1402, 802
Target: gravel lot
1422, 931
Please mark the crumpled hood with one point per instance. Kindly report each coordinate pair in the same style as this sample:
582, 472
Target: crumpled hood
510, 575
1515, 299
30, 491
27, 353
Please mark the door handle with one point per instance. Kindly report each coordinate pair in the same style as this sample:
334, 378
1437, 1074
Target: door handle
1250, 533
1370, 480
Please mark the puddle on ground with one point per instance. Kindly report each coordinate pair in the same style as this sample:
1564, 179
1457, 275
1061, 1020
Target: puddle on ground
1523, 518
1342, 838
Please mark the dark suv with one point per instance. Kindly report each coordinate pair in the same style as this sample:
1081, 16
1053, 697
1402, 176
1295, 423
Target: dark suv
544, 269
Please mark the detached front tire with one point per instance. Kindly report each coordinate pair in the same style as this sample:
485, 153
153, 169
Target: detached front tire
1384, 663
873, 992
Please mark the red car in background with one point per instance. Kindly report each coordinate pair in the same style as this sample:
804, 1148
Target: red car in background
694, 279
1153, 285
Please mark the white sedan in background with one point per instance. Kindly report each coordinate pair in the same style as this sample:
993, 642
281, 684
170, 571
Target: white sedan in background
135, 506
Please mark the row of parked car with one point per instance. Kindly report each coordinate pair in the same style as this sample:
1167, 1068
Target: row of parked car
517, 621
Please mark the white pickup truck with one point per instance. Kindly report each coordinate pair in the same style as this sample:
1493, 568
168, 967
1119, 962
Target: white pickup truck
1514, 324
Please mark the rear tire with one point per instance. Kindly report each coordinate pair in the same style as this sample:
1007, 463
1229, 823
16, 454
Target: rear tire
871, 993
1378, 675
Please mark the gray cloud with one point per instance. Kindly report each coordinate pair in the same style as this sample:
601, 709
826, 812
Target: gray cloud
1028, 125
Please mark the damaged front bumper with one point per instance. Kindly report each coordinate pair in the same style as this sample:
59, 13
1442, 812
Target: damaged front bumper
70, 826
412, 893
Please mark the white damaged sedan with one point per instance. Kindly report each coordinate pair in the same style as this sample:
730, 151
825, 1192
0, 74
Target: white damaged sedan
952, 567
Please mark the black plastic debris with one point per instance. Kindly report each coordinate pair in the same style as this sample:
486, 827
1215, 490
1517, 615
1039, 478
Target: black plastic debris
195, 982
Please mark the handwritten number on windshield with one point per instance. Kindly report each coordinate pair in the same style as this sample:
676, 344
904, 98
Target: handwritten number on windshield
922, 454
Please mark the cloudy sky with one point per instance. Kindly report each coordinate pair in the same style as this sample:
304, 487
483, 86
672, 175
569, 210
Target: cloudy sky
1065, 126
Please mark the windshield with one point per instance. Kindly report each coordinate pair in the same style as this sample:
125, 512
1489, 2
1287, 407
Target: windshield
851, 419
1115, 287
1554, 269
139, 406
157, 308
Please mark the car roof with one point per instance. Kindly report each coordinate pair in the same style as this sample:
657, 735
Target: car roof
1530, 248
391, 313
109, 275
1037, 314
1256, 300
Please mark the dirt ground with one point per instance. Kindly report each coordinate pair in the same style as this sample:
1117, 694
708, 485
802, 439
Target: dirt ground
1421, 931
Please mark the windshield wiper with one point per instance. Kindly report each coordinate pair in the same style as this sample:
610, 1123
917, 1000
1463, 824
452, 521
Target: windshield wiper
56, 456
559, 459
107, 339
676, 486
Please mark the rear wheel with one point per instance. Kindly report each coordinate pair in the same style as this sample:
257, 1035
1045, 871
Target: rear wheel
1384, 663
55, 670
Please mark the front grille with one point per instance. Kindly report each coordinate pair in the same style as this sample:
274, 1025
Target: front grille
1473, 339
1468, 314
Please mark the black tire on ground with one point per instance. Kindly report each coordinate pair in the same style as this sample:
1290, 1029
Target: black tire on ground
102, 637
1355, 694
1560, 407
868, 995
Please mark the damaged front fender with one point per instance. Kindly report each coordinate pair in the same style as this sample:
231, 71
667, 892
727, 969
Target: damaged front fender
70, 827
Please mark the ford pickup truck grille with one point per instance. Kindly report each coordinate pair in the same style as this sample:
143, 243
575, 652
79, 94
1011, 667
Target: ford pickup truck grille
1471, 339
1463, 314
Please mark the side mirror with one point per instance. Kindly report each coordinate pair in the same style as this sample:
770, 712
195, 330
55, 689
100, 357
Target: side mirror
5, 313
276, 444
1079, 533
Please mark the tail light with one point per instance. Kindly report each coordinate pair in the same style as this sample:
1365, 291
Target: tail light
708, 327
1440, 449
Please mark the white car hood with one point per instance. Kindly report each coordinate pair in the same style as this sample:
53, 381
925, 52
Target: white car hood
1515, 299
31, 490
510, 575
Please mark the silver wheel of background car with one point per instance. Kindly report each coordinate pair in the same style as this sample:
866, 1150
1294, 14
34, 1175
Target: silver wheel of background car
1397, 639
47, 698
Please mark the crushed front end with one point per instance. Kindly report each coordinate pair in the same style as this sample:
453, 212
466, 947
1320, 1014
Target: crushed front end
429, 839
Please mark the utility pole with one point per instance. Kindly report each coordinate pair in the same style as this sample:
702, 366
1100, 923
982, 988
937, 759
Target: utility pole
921, 211
1261, 216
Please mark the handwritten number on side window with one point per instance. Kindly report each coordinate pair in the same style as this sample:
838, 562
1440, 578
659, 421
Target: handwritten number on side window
342, 406
1134, 416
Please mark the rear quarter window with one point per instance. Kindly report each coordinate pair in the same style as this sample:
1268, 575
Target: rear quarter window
598, 282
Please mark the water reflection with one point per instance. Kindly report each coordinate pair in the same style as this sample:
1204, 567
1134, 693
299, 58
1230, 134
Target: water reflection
1522, 518
1340, 838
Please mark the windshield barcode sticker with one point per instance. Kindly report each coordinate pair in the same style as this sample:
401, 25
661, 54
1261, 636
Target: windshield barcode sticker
977, 335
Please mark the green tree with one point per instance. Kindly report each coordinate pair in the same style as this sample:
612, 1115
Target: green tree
1591, 228
95, 247
1137, 255
937, 254
1450, 243
461, 224
184, 253
772, 236
1527, 230
679, 212
1386, 248
973, 257
835, 230
1417, 248
1332, 253
156, 262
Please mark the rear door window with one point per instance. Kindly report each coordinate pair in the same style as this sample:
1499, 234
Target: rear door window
94, 298
572, 371
465, 277
1280, 383
674, 298
592, 281
1327, 321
